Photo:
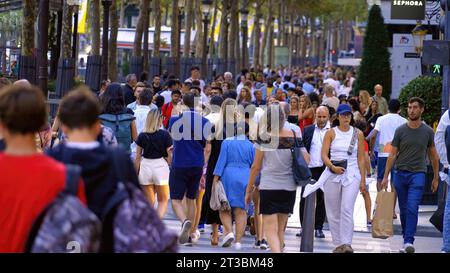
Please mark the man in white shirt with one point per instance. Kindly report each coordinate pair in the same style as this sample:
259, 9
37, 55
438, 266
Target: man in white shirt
195, 76
215, 104
137, 90
331, 80
172, 85
313, 139
329, 99
386, 126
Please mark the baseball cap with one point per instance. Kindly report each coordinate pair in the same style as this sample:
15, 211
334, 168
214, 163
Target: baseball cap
344, 108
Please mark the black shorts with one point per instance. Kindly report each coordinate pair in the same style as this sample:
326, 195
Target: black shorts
276, 201
184, 181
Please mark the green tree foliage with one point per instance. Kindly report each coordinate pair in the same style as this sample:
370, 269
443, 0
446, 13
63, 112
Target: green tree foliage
375, 65
430, 90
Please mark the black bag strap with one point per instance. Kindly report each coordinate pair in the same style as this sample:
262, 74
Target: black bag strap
296, 143
118, 196
73, 174
353, 142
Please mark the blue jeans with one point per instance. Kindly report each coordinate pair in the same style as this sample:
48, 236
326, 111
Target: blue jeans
409, 187
446, 232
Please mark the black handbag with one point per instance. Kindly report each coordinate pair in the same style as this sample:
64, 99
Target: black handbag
437, 219
343, 163
302, 174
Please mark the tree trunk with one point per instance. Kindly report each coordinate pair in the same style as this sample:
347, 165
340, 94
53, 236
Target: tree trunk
213, 28
291, 38
234, 28
122, 13
188, 28
304, 38
157, 33
256, 40
114, 25
199, 35
29, 14
143, 13
223, 37
313, 49
270, 51
95, 26
146, 45
174, 48
237, 44
265, 34
166, 16
280, 23
66, 36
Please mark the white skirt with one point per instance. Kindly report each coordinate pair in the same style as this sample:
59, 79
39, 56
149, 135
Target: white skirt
154, 172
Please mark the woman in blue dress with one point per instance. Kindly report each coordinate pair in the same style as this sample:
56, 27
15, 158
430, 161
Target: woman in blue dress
233, 169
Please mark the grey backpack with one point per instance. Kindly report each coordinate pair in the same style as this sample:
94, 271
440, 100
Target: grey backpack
130, 222
66, 225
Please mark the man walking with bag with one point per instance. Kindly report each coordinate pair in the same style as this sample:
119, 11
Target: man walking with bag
410, 145
313, 139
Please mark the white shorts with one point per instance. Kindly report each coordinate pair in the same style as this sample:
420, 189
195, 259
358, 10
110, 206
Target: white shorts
154, 172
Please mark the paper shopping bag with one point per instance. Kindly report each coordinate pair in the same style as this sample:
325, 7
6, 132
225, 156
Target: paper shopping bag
382, 224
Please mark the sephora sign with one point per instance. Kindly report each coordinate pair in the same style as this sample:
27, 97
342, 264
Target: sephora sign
408, 9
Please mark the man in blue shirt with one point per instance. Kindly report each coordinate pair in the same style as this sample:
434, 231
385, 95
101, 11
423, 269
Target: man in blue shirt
189, 133
307, 87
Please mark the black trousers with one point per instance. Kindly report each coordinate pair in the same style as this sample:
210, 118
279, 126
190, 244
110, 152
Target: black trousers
320, 203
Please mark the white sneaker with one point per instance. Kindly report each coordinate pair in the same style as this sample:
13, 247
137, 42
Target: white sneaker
408, 248
227, 240
195, 237
237, 246
184, 234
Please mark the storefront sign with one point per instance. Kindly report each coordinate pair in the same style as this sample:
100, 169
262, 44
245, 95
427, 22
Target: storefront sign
408, 9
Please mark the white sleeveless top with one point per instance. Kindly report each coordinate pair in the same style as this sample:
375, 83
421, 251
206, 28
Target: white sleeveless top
340, 145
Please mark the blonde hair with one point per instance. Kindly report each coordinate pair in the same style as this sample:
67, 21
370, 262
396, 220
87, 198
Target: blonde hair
247, 98
153, 122
365, 97
298, 102
308, 103
227, 114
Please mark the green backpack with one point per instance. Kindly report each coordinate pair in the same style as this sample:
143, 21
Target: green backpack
121, 126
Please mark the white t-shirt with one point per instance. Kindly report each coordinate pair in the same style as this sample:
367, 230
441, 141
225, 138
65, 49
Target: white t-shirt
167, 96
333, 83
386, 126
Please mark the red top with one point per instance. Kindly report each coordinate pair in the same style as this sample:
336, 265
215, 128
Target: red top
28, 185
167, 113
305, 123
366, 146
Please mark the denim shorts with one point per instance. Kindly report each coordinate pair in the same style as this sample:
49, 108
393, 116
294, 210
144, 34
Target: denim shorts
382, 168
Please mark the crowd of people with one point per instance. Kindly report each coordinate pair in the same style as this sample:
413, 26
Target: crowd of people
229, 141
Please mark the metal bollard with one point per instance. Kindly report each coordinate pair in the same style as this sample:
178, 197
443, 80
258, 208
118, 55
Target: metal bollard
307, 242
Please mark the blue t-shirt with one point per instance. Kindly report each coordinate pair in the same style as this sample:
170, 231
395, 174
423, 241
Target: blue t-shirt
189, 133
308, 88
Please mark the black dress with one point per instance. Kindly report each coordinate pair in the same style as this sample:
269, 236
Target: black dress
293, 119
211, 216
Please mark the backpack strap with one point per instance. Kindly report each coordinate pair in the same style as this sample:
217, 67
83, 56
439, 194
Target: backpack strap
296, 144
353, 142
73, 173
118, 196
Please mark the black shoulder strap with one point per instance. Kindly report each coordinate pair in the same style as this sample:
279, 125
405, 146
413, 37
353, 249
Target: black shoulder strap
296, 144
73, 174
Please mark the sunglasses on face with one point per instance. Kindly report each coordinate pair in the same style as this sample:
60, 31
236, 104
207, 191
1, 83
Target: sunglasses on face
345, 115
